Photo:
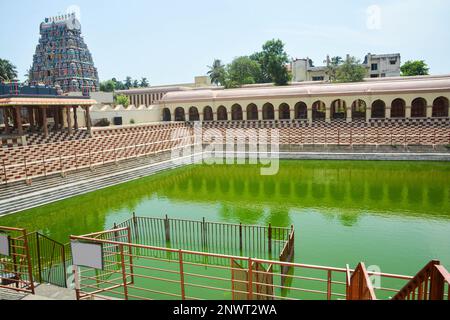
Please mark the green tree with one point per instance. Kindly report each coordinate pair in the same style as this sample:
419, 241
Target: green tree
217, 72
144, 83
242, 70
107, 86
350, 71
8, 71
122, 100
273, 59
333, 66
135, 84
414, 68
118, 85
128, 83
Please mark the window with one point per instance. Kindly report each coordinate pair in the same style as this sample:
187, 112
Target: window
374, 66
318, 78
374, 76
383, 75
393, 62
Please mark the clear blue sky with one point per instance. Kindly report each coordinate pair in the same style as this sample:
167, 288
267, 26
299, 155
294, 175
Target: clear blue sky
173, 41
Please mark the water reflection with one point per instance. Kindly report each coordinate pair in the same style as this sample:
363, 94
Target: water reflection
342, 189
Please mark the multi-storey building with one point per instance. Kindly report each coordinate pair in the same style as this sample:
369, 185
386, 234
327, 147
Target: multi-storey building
377, 66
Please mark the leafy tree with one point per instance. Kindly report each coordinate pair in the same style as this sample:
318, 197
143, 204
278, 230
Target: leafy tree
107, 86
135, 84
242, 70
128, 83
414, 68
122, 100
144, 83
217, 72
118, 84
350, 71
273, 59
8, 71
332, 67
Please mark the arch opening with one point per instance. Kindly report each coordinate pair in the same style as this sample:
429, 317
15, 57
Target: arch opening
359, 109
208, 114
301, 111
180, 115
236, 112
419, 108
252, 112
338, 109
167, 116
378, 109
440, 107
398, 107
193, 114
268, 112
284, 112
319, 110
222, 114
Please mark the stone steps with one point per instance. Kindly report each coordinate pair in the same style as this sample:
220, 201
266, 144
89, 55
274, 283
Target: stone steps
81, 184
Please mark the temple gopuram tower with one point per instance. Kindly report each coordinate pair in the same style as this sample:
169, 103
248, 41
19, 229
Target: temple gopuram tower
62, 58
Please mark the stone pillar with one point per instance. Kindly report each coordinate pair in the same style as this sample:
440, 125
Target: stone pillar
201, 116
75, 117
5, 119
276, 114
408, 112
31, 118
310, 115
244, 115
368, 114
327, 115
388, 112
349, 115
18, 114
429, 111
44, 121
292, 114
88, 120
69, 120
55, 118
260, 115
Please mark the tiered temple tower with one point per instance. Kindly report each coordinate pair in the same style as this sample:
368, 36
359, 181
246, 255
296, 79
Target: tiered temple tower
62, 58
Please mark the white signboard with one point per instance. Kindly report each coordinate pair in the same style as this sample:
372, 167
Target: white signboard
87, 254
4, 245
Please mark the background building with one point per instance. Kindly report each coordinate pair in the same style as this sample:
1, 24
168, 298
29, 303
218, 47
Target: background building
62, 58
151, 95
378, 66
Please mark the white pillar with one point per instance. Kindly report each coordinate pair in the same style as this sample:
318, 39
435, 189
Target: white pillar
327, 114
408, 112
349, 114
429, 111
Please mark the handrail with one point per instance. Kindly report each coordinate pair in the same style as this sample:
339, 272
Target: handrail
428, 284
360, 286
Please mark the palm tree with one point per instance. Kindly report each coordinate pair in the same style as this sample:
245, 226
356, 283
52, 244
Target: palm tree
217, 72
8, 71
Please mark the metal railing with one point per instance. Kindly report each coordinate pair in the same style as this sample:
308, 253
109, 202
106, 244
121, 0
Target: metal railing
132, 271
431, 283
49, 259
359, 285
226, 238
16, 271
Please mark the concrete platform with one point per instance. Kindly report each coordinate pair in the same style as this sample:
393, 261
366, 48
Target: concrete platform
51, 292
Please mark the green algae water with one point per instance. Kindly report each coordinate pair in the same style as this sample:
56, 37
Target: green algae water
392, 214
